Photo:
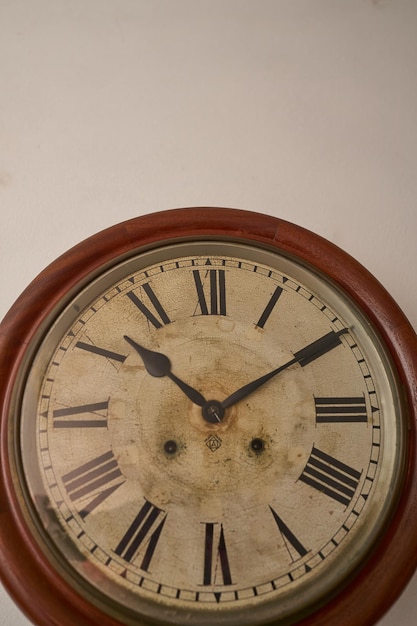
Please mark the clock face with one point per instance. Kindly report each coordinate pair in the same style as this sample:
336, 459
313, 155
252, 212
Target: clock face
210, 428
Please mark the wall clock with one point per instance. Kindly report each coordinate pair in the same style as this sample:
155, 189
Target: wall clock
208, 417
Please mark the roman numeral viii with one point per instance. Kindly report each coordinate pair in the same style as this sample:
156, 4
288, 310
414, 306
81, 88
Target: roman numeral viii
211, 296
143, 535
93, 482
153, 309
330, 476
340, 410
215, 555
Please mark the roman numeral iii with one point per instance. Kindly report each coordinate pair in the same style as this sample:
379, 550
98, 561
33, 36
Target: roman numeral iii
340, 410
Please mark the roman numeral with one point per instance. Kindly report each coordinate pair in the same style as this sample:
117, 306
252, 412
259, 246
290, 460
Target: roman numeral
114, 356
94, 481
90, 419
143, 535
291, 539
215, 304
215, 555
157, 318
269, 307
340, 410
330, 476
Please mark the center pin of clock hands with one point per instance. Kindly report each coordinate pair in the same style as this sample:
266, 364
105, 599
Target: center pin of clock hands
159, 365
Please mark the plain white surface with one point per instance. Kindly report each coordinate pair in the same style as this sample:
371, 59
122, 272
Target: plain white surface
303, 109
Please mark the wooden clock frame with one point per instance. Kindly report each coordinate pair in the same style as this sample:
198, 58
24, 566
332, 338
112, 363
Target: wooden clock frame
30, 577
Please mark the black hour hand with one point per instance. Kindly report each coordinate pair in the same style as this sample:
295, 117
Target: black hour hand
159, 365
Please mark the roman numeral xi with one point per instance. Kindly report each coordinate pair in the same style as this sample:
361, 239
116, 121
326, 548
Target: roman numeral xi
150, 306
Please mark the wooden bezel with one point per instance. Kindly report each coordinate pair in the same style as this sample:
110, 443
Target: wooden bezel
29, 576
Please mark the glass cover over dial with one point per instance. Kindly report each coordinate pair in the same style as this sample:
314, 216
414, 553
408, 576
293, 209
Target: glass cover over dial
210, 427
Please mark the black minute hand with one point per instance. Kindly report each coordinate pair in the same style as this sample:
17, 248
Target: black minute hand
302, 357
159, 365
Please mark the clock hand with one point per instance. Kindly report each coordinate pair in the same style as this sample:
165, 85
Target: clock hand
159, 365
302, 357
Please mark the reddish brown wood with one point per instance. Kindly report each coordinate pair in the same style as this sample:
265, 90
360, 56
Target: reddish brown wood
29, 576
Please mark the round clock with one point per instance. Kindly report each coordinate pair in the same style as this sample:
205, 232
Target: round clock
207, 416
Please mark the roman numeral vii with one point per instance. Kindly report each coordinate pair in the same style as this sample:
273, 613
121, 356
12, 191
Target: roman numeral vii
142, 536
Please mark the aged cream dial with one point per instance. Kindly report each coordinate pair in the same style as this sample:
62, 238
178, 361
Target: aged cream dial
209, 428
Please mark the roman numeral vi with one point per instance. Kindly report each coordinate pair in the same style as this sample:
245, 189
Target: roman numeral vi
215, 554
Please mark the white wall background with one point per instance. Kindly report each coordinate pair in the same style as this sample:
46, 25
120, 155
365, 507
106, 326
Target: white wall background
304, 109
